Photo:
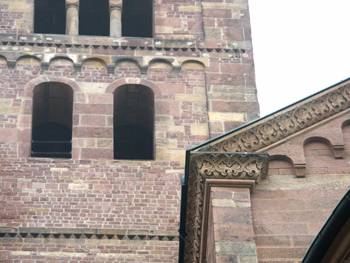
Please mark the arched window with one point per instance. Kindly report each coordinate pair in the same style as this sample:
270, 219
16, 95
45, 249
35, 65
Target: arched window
94, 17
137, 18
50, 16
52, 120
134, 123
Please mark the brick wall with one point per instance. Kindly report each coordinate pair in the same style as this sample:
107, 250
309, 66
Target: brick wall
202, 88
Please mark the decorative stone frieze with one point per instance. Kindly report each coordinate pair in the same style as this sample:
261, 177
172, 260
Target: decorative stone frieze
214, 169
76, 233
294, 119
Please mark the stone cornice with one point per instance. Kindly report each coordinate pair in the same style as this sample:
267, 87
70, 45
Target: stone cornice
214, 169
110, 43
294, 119
82, 233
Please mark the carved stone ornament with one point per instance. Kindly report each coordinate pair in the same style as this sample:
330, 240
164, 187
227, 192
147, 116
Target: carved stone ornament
285, 123
214, 167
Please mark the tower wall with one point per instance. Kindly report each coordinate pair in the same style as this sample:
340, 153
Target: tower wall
92, 208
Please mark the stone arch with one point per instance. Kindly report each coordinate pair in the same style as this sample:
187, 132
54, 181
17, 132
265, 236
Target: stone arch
28, 60
319, 139
95, 63
192, 64
281, 165
137, 81
3, 61
29, 87
346, 137
345, 123
120, 61
134, 122
318, 154
52, 120
160, 63
59, 59
25, 118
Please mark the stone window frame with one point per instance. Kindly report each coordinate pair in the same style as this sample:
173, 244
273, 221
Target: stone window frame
24, 124
156, 92
26, 115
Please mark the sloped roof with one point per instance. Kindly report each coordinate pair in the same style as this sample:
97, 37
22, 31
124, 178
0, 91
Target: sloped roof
268, 130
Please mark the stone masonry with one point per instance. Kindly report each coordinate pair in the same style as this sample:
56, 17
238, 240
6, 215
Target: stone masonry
91, 208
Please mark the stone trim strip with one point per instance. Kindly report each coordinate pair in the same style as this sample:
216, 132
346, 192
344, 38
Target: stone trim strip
65, 41
82, 233
214, 169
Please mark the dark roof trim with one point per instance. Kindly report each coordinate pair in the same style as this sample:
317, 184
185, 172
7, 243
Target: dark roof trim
328, 233
265, 117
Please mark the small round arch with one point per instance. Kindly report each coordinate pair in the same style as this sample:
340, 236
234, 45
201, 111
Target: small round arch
29, 87
94, 63
137, 81
28, 59
62, 58
160, 63
317, 139
192, 65
283, 165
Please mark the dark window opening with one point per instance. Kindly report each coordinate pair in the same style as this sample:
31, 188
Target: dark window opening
52, 121
137, 18
134, 123
94, 17
50, 16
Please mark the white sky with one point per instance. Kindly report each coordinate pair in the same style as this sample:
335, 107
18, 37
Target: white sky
300, 47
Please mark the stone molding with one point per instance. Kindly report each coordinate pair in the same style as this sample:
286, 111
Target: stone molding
108, 44
82, 233
285, 123
109, 63
214, 169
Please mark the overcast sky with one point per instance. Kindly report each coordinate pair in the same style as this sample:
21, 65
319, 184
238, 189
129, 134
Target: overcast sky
300, 47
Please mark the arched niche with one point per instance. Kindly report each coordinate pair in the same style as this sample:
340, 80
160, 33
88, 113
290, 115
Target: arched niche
280, 165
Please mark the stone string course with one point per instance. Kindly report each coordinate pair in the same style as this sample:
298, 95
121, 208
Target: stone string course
88, 233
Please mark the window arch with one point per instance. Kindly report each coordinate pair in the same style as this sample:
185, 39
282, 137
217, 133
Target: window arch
52, 120
134, 123
50, 16
137, 18
94, 17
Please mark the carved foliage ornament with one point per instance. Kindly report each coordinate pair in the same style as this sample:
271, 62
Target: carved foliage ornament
205, 166
285, 124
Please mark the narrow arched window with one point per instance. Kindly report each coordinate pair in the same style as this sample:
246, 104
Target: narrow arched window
137, 18
134, 123
94, 17
52, 120
50, 16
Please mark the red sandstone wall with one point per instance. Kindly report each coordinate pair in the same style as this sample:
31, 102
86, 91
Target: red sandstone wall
287, 211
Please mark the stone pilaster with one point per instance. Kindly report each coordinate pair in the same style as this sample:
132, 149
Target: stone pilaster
232, 226
207, 206
72, 25
115, 7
